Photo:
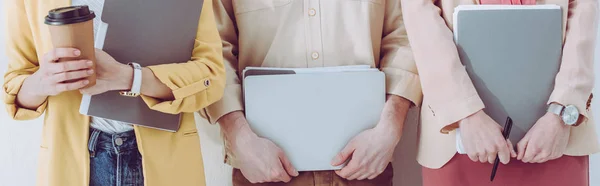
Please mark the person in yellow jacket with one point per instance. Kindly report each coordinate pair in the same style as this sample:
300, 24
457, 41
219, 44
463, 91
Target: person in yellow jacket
77, 150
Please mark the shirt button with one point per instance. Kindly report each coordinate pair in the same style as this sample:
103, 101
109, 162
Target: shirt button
315, 55
119, 141
312, 12
207, 83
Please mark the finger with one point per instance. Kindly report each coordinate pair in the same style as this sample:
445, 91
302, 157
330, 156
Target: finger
503, 152
483, 158
289, 168
55, 54
63, 87
491, 157
358, 174
513, 154
348, 170
280, 174
473, 157
521, 147
67, 66
343, 155
540, 158
374, 175
363, 176
530, 153
556, 156
73, 75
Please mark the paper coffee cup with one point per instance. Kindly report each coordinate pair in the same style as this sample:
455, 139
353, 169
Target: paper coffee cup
73, 27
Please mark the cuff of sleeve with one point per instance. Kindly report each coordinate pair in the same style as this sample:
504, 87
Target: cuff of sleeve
449, 113
231, 101
10, 99
403, 83
180, 92
566, 97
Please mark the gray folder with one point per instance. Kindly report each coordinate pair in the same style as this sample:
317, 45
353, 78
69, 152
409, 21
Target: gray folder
148, 32
311, 116
512, 54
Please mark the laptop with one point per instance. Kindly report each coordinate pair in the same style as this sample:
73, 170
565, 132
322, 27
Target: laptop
312, 114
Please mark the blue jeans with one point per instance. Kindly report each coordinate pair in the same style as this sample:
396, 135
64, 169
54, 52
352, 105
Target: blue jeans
114, 159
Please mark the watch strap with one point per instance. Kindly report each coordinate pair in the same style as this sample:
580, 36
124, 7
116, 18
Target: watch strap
136, 86
556, 109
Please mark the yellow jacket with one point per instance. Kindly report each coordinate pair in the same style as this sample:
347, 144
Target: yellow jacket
168, 158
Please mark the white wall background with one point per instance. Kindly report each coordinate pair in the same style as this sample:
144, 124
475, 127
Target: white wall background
19, 144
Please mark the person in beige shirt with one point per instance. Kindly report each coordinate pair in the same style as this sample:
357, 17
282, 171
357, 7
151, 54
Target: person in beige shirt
549, 150
306, 34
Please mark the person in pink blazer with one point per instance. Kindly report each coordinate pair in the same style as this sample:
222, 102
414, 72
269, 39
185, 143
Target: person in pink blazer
551, 154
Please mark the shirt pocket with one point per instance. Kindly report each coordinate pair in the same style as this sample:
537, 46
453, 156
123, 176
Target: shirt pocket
245, 6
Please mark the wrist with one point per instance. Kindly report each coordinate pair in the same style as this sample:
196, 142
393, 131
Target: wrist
30, 87
393, 115
391, 128
124, 80
235, 127
557, 119
465, 120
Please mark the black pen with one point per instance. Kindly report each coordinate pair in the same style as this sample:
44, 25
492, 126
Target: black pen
505, 133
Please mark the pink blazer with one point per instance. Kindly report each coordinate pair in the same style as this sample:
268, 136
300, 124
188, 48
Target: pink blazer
449, 95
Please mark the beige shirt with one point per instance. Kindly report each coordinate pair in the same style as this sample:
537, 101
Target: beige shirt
313, 33
450, 95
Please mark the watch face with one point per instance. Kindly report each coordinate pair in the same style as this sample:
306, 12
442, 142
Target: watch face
570, 115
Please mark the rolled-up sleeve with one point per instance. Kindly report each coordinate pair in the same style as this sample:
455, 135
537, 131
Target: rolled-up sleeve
22, 60
575, 79
397, 61
446, 85
232, 98
198, 82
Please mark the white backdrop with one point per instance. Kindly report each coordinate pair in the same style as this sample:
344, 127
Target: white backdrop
19, 144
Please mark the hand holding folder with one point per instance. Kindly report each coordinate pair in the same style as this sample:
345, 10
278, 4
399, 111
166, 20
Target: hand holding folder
484, 139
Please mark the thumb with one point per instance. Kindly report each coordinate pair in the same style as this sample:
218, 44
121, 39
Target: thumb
287, 165
521, 146
513, 153
343, 155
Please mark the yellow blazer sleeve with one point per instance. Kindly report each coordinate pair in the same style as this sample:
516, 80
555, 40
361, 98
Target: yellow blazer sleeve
397, 61
575, 79
22, 59
232, 99
198, 82
446, 85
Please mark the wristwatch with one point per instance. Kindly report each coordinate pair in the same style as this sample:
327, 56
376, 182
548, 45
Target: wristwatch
136, 86
569, 114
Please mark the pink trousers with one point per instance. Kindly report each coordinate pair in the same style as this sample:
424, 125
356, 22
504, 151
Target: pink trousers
461, 171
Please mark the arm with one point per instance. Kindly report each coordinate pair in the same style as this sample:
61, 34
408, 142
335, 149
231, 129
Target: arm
176, 87
194, 85
449, 89
23, 62
232, 98
259, 159
575, 79
452, 98
573, 85
376, 146
397, 61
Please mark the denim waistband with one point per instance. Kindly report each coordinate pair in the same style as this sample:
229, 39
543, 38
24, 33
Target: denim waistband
116, 143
